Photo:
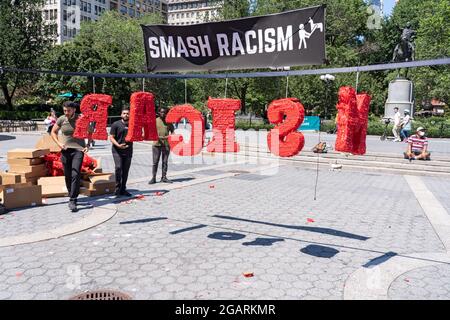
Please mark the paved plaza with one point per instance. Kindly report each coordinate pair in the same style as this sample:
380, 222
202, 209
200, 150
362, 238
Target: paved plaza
366, 236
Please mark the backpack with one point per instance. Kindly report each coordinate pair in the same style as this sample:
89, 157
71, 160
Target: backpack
321, 147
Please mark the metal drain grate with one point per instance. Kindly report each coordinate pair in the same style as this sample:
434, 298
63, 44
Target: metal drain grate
238, 171
102, 295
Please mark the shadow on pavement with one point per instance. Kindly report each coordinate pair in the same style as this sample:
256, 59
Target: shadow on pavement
265, 242
379, 260
319, 251
143, 220
188, 229
328, 231
6, 137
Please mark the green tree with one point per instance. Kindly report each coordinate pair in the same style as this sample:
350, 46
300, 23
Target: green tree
113, 44
433, 41
23, 38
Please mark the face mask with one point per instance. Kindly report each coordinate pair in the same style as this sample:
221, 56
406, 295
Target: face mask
421, 134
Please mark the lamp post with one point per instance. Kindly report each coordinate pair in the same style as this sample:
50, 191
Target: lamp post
328, 79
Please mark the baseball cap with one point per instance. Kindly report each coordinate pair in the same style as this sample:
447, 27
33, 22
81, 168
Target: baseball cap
406, 110
421, 129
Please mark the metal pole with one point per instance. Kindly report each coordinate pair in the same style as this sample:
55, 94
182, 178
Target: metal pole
317, 169
287, 85
226, 86
93, 84
143, 84
357, 82
185, 91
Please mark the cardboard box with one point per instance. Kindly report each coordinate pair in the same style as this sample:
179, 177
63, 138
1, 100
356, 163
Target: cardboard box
27, 153
47, 142
9, 178
14, 185
39, 170
25, 162
19, 195
31, 181
105, 189
98, 168
100, 177
53, 187
98, 184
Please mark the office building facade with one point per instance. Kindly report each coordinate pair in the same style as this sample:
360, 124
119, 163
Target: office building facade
187, 12
66, 15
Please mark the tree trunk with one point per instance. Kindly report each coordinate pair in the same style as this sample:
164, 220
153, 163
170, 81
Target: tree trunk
242, 97
7, 96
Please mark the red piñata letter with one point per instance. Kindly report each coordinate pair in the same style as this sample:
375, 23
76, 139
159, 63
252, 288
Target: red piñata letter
352, 121
142, 117
195, 145
94, 108
363, 102
284, 140
223, 125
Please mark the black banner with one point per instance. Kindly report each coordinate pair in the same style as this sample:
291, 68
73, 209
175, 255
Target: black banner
292, 38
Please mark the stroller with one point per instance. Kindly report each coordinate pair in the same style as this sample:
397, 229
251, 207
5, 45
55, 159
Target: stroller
384, 136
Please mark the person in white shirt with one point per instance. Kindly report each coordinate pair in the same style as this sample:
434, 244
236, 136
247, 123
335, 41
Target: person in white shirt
406, 125
397, 125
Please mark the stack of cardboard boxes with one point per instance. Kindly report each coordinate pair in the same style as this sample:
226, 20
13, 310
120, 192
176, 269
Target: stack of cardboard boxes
26, 182
18, 186
28, 163
98, 184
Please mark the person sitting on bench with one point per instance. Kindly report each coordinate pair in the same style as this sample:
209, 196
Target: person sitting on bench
417, 146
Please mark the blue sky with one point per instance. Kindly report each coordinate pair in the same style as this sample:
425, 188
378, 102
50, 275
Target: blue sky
388, 6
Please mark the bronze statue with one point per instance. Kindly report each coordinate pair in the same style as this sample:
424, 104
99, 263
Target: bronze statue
405, 50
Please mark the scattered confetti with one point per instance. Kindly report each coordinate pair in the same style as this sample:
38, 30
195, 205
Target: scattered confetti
248, 274
310, 220
212, 186
159, 193
19, 274
406, 280
140, 196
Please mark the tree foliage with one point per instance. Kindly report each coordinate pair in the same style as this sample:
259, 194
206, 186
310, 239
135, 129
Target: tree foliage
114, 44
23, 38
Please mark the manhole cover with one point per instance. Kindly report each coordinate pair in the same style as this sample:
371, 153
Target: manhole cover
102, 295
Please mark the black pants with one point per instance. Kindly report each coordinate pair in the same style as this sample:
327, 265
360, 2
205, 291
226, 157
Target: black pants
122, 161
72, 160
157, 151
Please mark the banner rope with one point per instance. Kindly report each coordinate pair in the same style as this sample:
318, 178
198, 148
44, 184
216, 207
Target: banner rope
308, 72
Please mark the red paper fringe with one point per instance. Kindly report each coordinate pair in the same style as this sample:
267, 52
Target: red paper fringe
142, 124
195, 145
99, 116
223, 125
284, 140
353, 111
55, 167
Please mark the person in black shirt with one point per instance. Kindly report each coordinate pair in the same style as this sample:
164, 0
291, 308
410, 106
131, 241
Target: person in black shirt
122, 152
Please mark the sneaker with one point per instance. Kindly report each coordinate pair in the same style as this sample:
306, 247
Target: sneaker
153, 181
126, 193
164, 179
73, 206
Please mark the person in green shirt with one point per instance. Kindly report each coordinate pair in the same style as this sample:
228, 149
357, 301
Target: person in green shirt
72, 151
161, 147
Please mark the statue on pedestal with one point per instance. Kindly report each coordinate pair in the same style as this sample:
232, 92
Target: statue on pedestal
405, 50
